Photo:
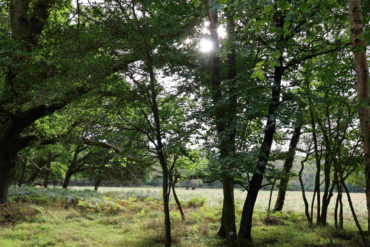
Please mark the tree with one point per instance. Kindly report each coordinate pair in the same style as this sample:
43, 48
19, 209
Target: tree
42, 72
363, 92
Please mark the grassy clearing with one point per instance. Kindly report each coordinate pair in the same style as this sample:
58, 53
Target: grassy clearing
133, 217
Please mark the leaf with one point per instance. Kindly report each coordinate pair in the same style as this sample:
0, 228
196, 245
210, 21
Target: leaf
197, 3
284, 5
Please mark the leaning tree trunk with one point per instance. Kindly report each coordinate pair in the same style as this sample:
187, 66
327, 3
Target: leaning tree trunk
288, 164
67, 179
363, 94
178, 203
264, 153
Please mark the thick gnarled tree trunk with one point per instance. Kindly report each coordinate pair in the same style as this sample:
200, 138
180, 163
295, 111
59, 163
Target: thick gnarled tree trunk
6, 174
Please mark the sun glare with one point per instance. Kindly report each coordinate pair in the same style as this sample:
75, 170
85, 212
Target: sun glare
206, 45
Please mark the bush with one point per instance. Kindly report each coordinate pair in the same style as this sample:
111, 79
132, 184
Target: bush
196, 202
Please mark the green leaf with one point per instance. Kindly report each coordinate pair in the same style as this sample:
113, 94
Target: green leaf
284, 5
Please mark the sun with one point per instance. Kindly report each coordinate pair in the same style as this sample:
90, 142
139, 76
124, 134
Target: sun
206, 45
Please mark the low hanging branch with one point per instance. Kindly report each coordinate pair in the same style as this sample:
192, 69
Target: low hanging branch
100, 144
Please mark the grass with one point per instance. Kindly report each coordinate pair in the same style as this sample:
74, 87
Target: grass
134, 217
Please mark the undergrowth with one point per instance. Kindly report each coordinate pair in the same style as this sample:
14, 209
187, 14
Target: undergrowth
59, 217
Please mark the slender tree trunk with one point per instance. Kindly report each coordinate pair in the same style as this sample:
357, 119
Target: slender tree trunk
178, 203
288, 164
327, 194
167, 220
341, 210
23, 173
312, 204
318, 164
264, 153
363, 92
47, 175
306, 208
359, 228
269, 204
159, 150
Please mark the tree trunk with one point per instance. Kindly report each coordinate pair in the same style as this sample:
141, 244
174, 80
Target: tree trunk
225, 125
67, 179
306, 209
263, 157
6, 175
97, 182
327, 195
363, 93
23, 173
160, 149
47, 175
167, 220
270, 198
178, 203
288, 164
359, 228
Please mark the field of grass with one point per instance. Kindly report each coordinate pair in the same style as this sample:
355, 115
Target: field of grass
134, 217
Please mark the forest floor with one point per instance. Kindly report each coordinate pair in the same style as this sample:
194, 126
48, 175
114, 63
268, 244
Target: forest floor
129, 217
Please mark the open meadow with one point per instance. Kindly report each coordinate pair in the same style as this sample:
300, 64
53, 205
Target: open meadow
134, 217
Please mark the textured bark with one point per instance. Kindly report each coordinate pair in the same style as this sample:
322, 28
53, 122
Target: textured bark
288, 164
363, 93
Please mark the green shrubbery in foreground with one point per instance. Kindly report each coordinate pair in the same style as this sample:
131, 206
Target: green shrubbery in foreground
57, 217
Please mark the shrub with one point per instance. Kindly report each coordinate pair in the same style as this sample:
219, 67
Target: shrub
196, 202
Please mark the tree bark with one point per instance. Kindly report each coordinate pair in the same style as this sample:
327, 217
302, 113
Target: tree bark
359, 228
224, 113
178, 203
160, 150
67, 179
288, 164
306, 208
6, 175
263, 157
47, 174
23, 173
363, 94
327, 195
